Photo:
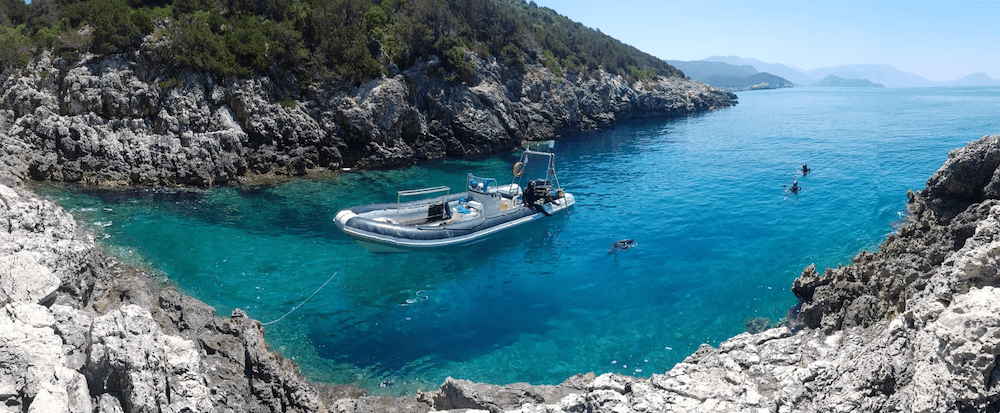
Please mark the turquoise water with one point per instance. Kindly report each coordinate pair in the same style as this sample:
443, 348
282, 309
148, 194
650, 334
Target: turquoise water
719, 241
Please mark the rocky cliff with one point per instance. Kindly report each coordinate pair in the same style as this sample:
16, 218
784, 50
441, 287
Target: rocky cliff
123, 120
914, 326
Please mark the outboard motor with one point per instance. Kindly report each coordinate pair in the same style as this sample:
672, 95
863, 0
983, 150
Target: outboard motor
538, 190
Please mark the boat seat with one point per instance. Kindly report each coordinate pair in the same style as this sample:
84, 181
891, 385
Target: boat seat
438, 212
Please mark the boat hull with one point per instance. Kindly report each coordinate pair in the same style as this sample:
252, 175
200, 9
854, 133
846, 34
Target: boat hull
385, 237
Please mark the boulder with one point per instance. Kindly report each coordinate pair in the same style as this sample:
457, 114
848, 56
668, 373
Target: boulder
33, 372
22, 279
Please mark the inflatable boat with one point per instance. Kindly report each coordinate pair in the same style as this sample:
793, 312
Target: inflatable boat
441, 219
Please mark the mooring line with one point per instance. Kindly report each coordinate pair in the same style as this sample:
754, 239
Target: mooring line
303, 301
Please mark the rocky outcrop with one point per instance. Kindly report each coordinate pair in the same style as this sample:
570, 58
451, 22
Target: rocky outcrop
80, 332
124, 120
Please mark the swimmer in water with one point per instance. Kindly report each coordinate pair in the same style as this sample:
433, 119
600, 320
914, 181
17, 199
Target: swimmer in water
805, 169
623, 245
795, 187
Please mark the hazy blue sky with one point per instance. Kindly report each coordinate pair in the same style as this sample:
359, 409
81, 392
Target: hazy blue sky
935, 39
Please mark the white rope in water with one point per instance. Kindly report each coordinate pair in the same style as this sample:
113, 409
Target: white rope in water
303, 301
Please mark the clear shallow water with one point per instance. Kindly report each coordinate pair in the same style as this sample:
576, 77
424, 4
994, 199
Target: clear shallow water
719, 241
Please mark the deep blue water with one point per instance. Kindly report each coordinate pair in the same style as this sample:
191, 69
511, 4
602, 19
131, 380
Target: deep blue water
719, 241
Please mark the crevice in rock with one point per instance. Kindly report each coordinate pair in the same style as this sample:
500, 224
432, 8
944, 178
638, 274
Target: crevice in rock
993, 375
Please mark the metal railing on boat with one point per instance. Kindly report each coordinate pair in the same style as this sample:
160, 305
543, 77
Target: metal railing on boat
418, 192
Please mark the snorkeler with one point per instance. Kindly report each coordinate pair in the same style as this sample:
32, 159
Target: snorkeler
622, 245
805, 169
795, 187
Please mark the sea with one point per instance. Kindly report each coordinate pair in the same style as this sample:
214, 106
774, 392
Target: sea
718, 241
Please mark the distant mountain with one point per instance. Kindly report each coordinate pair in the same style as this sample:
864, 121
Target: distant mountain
884, 74
730, 77
975, 79
834, 81
697, 69
790, 73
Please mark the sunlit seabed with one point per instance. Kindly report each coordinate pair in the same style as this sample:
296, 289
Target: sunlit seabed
719, 241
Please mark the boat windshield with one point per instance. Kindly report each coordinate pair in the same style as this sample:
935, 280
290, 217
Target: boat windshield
482, 185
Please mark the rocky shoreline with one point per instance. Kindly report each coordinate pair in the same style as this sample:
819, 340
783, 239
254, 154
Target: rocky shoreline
119, 120
81, 332
912, 327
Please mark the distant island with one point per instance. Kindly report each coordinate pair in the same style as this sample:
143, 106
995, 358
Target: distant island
834, 81
976, 79
730, 77
886, 75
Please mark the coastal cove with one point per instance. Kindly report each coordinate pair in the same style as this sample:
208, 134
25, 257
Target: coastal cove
719, 241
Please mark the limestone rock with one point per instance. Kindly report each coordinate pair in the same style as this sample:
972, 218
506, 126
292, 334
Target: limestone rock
154, 372
33, 372
114, 120
107, 337
463, 394
970, 172
22, 279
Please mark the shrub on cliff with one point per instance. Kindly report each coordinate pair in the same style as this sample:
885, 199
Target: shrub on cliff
15, 47
351, 39
239, 45
456, 58
117, 26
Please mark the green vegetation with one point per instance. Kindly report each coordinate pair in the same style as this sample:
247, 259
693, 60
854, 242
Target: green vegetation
170, 83
349, 39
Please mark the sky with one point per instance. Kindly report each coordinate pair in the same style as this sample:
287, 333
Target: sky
939, 40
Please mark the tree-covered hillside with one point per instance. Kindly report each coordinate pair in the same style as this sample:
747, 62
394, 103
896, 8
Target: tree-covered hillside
343, 39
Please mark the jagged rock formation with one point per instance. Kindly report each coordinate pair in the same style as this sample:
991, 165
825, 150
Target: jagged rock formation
80, 332
120, 120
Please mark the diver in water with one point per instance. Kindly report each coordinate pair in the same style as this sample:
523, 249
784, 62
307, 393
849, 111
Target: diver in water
621, 245
795, 187
805, 169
